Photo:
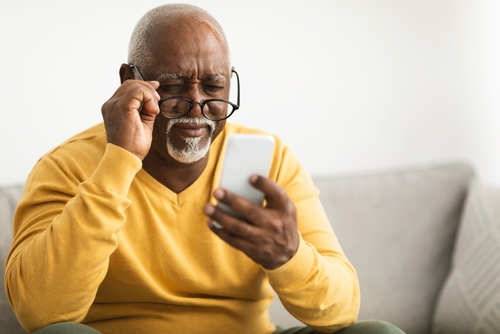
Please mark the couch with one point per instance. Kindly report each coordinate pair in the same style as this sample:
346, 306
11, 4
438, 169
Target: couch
414, 236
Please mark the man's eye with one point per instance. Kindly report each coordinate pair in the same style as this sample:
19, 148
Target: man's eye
169, 89
212, 88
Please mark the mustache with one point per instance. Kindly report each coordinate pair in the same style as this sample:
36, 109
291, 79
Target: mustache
190, 120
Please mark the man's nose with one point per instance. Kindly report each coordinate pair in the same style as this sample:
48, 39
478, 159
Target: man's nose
197, 97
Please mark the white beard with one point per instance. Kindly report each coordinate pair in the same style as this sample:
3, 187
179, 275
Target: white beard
193, 151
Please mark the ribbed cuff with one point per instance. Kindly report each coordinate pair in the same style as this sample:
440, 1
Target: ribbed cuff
294, 270
117, 170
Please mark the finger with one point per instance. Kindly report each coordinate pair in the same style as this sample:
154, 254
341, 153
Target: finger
132, 96
274, 194
154, 86
240, 241
149, 99
220, 220
130, 87
246, 210
241, 231
260, 252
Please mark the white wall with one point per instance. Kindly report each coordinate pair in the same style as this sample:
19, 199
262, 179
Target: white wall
351, 85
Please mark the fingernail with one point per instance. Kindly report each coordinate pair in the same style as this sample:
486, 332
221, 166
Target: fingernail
219, 193
217, 225
208, 209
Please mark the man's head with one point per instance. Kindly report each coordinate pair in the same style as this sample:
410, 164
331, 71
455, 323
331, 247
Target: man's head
184, 48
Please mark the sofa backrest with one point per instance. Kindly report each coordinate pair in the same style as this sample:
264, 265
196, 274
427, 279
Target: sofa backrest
398, 229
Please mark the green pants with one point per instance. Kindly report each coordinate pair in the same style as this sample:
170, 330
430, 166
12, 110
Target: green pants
362, 327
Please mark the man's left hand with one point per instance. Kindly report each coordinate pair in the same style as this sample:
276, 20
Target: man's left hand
268, 235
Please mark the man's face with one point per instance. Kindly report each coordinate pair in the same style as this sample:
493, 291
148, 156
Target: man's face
189, 61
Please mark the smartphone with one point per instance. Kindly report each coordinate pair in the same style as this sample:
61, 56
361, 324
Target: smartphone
246, 154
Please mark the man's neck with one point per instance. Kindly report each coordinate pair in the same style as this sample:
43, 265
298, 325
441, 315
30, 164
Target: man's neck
172, 174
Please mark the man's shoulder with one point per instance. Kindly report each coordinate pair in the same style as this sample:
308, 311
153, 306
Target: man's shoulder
76, 158
92, 136
87, 145
94, 132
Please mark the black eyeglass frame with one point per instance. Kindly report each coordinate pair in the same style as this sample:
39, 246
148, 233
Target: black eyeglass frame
201, 103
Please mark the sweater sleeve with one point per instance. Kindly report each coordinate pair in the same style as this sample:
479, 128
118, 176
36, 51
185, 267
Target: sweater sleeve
64, 233
318, 285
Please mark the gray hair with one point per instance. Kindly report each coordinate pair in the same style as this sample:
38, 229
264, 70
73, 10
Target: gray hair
140, 45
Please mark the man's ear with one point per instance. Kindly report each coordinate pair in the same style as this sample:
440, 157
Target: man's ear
126, 72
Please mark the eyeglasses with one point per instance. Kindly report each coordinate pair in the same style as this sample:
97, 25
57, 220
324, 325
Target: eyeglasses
212, 109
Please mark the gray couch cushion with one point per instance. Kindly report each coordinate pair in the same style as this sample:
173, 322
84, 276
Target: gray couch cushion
9, 196
470, 299
398, 230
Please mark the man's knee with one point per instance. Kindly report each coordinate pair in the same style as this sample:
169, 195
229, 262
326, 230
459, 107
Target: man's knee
67, 328
371, 327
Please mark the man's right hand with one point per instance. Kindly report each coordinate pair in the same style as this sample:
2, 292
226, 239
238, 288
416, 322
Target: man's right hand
129, 116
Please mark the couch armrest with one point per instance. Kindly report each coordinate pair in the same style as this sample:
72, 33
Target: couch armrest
9, 197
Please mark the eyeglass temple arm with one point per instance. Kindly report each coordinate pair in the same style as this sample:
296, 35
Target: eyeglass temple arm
139, 72
238, 83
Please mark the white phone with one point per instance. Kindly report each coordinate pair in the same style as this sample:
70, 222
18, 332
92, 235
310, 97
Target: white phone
246, 154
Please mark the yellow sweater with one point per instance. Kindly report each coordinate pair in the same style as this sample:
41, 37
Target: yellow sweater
97, 240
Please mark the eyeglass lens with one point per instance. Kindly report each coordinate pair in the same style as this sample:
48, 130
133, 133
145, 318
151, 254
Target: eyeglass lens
177, 106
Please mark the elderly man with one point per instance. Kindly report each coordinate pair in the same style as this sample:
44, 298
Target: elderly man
112, 233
